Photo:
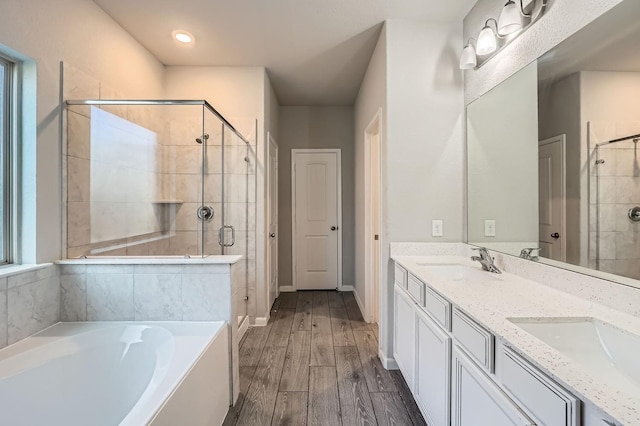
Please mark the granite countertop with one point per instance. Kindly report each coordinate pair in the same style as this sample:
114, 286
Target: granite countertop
492, 303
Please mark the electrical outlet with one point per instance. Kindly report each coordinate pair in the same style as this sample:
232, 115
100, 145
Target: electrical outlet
489, 228
437, 228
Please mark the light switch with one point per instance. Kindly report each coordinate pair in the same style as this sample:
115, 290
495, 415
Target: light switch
437, 228
489, 228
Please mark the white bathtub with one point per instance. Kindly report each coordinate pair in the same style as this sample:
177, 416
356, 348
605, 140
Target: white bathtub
116, 373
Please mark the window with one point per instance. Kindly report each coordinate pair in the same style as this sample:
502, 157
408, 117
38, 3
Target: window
6, 113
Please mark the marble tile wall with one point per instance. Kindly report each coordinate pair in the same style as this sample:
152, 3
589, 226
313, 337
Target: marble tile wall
110, 193
615, 188
29, 303
145, 292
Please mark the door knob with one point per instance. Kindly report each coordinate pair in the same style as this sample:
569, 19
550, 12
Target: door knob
333, 228
272, 235
555, 235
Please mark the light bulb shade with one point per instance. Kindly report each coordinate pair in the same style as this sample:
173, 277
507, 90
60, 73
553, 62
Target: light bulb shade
468, 58
486, 41
510, 19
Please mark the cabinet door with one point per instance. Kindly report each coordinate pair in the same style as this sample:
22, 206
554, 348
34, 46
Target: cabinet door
477, 401
404, 335
433, 370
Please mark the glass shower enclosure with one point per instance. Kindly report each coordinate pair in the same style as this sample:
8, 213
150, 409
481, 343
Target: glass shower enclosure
157, 178
614, 205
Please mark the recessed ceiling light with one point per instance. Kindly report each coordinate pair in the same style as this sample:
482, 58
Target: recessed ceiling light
183, 36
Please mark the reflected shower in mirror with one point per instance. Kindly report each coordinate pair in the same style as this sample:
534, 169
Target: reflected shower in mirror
553, 160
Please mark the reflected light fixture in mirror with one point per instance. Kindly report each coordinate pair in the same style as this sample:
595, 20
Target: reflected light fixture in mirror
508, 26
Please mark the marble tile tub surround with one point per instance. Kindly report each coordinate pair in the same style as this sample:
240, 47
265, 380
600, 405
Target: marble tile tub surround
613, 295
146, 291
493, 303
29, 302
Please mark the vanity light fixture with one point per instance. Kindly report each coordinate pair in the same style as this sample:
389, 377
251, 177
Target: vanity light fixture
487, 40
468, 59
510, 20
508, 26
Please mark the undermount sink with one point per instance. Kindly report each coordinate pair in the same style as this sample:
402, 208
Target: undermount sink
604, 349
457, 272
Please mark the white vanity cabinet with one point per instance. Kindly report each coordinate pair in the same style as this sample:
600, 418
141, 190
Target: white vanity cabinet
432, 370
478, 401
461, 375
404, 334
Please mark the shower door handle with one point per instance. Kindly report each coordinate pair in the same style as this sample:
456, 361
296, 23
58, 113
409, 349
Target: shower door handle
222, 233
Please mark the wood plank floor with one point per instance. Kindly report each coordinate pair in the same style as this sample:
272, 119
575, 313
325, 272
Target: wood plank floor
316, 363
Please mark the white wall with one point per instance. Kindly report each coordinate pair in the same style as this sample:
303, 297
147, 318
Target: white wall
562, 19
80, 33
316, 127
372, 98
502, 141
421, 145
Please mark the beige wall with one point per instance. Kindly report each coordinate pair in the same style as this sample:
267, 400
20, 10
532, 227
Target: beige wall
316, 127
44, 33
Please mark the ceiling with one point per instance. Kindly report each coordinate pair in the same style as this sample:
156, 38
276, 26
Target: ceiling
316, 51
610, 43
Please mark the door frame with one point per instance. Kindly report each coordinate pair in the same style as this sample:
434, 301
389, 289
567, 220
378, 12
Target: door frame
562, 139
271, 144
374, 125
294, 152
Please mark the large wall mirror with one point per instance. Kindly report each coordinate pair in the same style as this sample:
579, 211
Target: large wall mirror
554, 154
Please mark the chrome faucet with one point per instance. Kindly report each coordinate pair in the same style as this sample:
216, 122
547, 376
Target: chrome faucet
486, 260
527, 253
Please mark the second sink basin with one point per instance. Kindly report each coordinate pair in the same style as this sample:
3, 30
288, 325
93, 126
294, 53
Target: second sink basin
605, 350
457, 272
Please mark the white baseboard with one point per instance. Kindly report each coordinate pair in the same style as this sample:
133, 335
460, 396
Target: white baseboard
287, 289
244, 326
361, 306
261, 321
347, 288
388, 363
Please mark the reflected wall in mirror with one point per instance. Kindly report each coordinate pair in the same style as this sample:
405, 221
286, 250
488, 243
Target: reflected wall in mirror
553, 155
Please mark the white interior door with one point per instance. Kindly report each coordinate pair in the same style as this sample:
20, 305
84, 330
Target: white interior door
316, 219
552, 198
272, 203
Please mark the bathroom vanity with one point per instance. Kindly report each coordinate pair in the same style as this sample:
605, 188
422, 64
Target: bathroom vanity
483, 348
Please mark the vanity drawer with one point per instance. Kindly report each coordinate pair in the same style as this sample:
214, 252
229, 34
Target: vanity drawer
477, 341
541, 397
438, 307
416, 288
400, 276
